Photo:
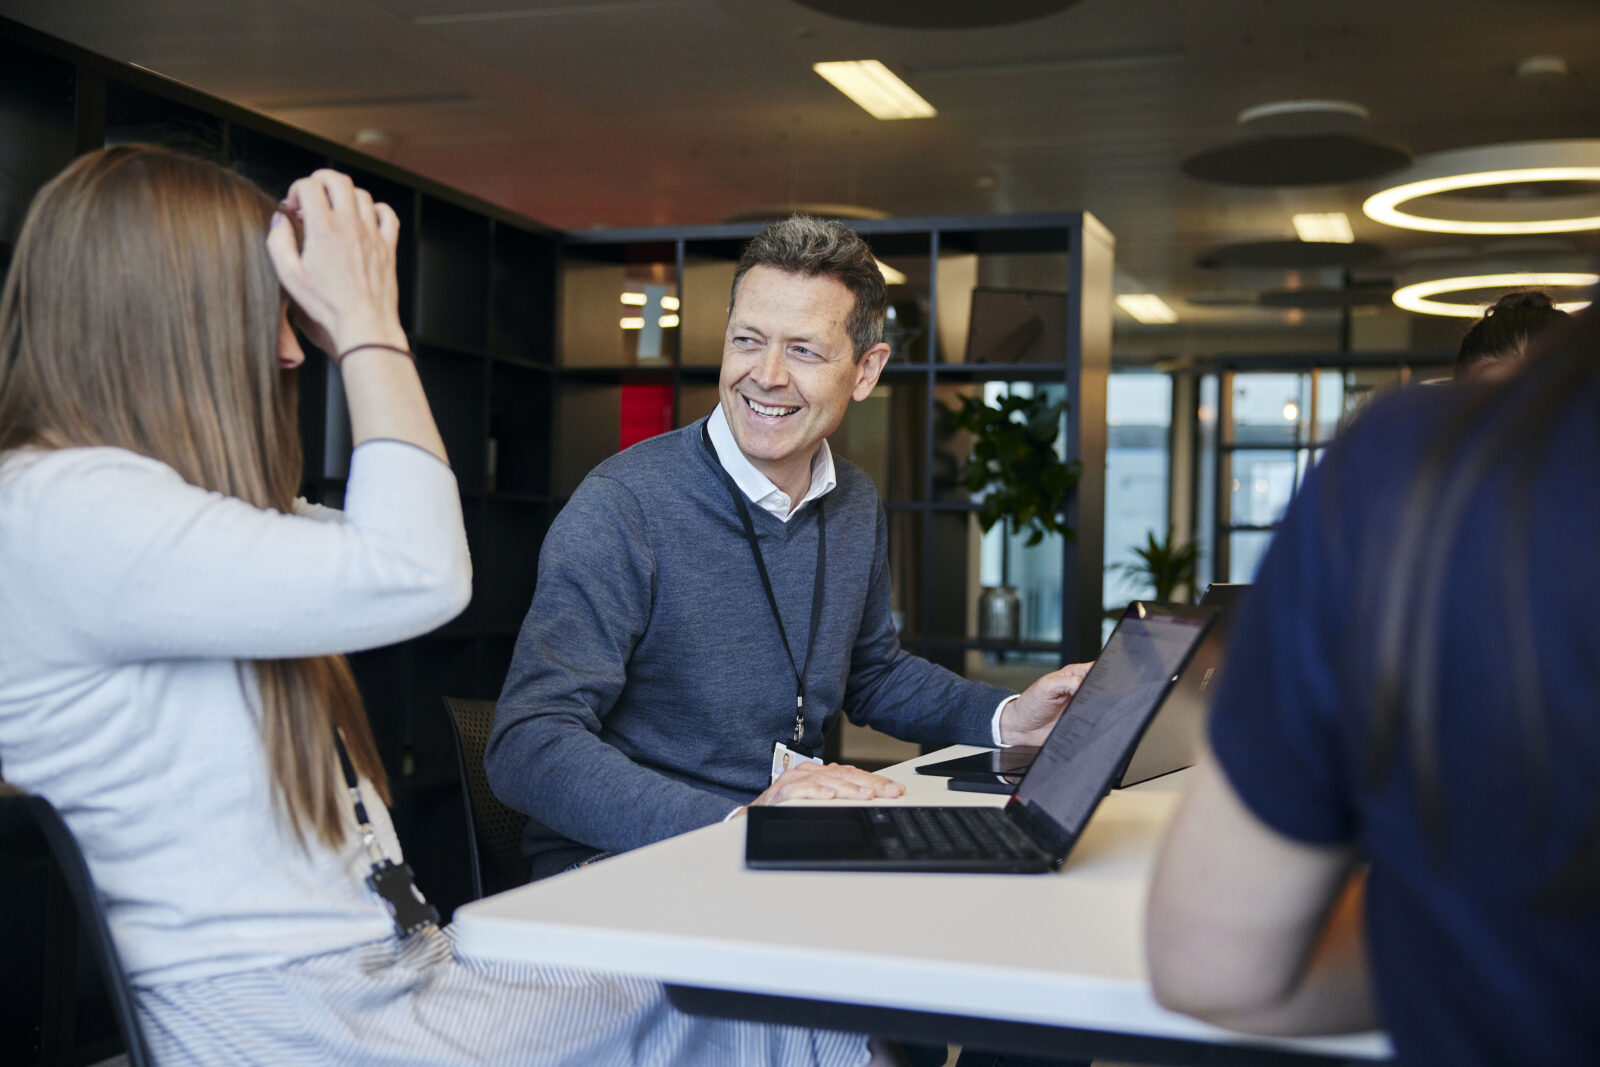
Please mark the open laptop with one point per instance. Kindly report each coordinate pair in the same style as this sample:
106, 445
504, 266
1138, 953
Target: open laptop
1039, 825
1169, 743
1172, 741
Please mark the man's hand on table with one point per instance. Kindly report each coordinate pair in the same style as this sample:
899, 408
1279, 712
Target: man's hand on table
827, 781
1028, 719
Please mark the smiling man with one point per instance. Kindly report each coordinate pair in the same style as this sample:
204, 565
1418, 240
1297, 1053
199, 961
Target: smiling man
710, 600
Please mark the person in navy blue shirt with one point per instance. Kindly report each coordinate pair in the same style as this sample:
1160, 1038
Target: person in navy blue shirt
1398, 821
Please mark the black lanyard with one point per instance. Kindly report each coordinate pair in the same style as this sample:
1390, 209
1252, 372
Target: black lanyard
395, 885
766, 582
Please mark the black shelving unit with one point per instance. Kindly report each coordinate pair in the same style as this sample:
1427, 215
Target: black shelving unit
477, 297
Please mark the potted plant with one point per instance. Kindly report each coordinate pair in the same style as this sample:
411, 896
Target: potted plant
1025, 483
1164, 566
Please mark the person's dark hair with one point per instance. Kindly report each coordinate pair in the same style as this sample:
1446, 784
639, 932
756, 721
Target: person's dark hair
802, 244
1507, 328
1497, 436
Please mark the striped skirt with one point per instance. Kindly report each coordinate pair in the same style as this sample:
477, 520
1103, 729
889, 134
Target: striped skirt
416, 1004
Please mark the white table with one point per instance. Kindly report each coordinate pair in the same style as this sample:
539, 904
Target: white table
1062, 951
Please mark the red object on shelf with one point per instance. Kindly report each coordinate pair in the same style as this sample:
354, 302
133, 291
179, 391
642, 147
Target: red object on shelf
646, 411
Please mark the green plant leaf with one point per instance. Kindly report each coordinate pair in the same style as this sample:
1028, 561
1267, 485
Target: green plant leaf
1161, 565
1014, 463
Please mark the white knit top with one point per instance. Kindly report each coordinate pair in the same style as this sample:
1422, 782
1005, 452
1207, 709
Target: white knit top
128, 598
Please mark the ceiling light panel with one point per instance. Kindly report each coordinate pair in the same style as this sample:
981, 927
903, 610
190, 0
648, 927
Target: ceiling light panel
1148, 308
1327, 226
875, 88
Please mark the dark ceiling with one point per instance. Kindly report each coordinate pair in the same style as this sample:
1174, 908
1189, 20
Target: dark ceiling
642, 112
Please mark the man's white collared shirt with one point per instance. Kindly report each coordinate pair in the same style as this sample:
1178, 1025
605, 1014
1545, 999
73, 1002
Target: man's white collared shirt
757, 487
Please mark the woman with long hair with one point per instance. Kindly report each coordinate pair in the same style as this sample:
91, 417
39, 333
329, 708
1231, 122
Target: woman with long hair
1398, 822
172, 624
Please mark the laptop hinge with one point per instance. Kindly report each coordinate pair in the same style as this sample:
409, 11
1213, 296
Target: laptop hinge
1045, 834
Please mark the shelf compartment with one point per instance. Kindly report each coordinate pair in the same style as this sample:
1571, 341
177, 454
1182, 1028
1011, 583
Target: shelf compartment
455, 388
706, 284
522, 302
37, 108
520, 409
441, 669
512, 536
452, 275
593, 313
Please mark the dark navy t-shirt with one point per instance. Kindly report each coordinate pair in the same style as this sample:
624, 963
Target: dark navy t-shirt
1472, 964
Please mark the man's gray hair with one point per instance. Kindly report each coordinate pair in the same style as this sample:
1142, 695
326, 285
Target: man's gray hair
803, 244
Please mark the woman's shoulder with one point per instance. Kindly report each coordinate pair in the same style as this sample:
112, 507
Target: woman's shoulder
35, 482
49, 464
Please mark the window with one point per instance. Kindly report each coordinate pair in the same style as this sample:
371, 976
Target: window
1260, 432
1138, 469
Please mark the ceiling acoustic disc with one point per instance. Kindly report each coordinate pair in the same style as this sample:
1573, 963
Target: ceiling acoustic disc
1356, 296
1290, 255
1221, 298
938, 14
1315, 159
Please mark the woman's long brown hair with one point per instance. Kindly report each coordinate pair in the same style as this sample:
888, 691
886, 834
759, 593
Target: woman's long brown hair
141, 312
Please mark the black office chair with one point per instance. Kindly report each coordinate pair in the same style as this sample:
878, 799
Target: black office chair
495, 831
32, 833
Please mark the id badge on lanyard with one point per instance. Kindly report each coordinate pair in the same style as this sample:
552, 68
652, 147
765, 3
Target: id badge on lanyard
784, 757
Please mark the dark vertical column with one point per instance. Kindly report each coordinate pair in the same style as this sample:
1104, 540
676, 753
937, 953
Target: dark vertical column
1088, 365
1222, 512
930, 423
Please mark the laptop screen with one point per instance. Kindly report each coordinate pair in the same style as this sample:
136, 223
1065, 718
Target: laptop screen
1075, 765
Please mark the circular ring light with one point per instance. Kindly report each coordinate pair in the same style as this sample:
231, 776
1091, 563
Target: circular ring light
1489, 166
1416, 297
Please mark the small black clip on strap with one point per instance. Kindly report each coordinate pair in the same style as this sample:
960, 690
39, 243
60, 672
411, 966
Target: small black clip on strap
395, 884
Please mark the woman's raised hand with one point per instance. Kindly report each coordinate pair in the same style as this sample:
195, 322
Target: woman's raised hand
343, 275
342, 278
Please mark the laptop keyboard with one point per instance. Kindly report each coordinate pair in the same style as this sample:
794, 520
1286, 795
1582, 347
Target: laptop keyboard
948, 833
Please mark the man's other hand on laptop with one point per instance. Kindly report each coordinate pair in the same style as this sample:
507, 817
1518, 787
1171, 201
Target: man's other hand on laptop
828, 781
1027, 720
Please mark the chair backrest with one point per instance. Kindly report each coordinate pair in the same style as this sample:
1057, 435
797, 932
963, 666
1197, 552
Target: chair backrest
496, 830
31, 817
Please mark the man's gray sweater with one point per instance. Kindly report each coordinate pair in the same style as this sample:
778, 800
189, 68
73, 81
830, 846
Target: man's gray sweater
649, 680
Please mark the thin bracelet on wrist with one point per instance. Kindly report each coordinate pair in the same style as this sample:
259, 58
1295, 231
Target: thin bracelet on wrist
374, 344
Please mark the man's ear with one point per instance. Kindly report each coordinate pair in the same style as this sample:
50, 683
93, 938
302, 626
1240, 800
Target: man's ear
868, 368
